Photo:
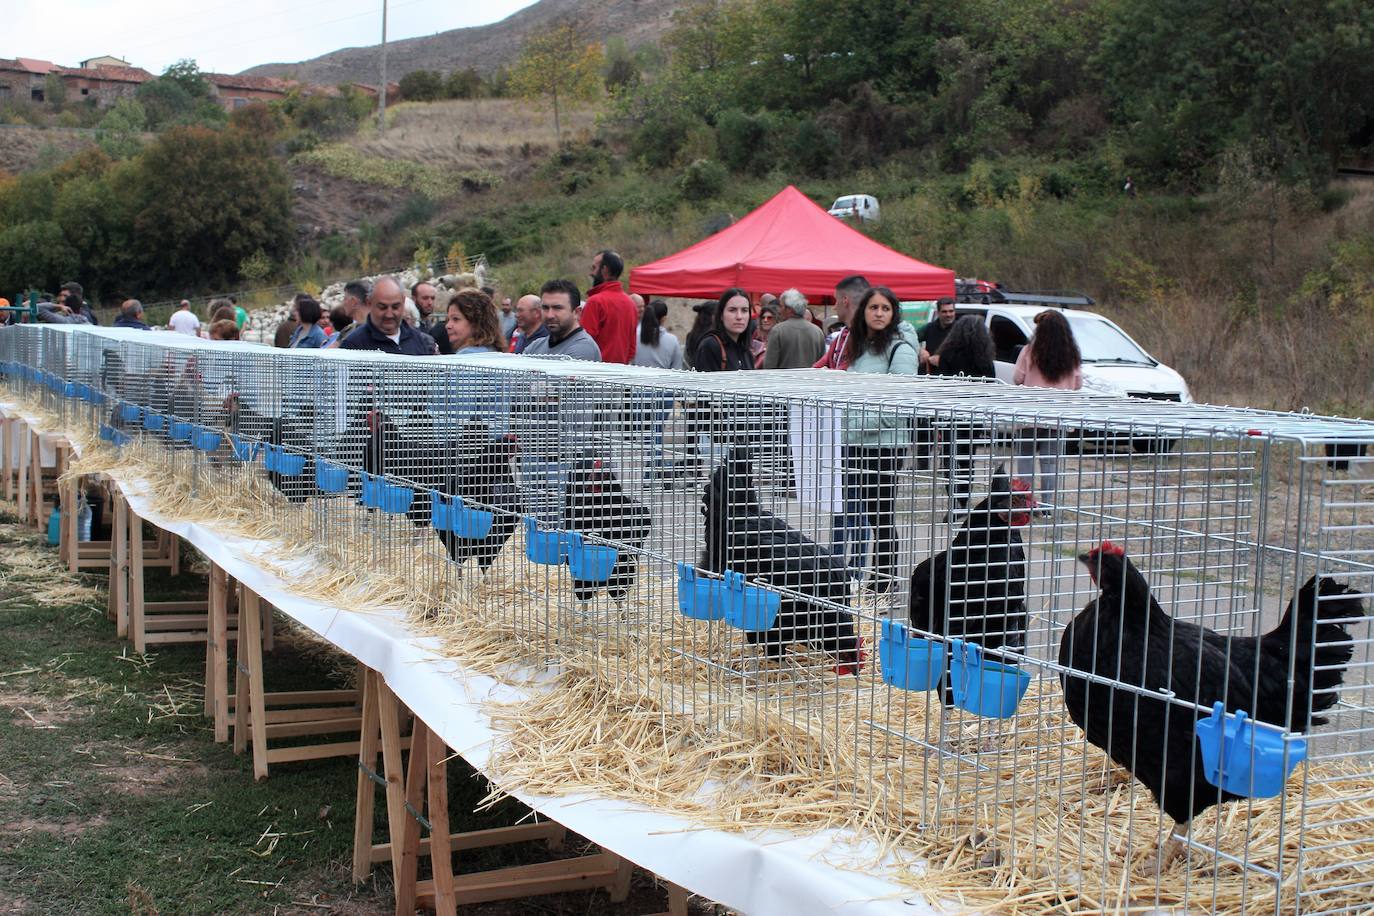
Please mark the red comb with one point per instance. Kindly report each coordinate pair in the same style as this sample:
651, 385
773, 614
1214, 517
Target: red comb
843, 670
1108, 547
1019, 486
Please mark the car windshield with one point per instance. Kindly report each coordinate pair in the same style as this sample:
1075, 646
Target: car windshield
844, 203
1100, 342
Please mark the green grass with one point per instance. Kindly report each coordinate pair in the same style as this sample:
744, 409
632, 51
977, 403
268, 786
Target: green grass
125, 802
114, 797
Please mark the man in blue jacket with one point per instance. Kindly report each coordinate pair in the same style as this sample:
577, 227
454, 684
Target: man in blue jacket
383, 330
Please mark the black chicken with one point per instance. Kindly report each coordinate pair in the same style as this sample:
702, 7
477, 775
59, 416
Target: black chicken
744, 537
414, 455
595, 503
1124, 635
292, 431
977, 588
484, 481
474, 466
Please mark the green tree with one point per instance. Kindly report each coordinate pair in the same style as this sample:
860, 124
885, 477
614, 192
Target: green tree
464, 84
28, 199
259, 119
180, 96
185, 74
119, 133
54, 92
557, 66
1190, 79
422, 86
204, 201
622, 66
36, 254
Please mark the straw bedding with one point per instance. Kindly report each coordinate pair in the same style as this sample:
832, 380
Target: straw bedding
1027, 819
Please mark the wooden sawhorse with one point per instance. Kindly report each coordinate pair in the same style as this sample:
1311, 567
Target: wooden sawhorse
74, 552
31, 476
144, 622
11, 435
417, 795
258, 716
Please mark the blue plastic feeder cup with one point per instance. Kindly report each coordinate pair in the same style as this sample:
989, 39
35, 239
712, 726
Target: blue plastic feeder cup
589, 562
154, 422
394, 498
541, 545
330, 477
749, 607
181, 430
130, 413
909, 662
206, 440
244, 449
440, 511
473, 524
699, 597
982, 687
1245, 757
107, 433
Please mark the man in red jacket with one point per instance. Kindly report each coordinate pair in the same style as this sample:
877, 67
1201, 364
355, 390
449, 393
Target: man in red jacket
609, 315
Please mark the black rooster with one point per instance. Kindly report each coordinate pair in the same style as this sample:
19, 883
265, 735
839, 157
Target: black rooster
977, 588
474, 466
1124, 635
744, 537
595, 503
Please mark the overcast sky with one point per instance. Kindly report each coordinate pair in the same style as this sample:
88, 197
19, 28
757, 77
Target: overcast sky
224, 37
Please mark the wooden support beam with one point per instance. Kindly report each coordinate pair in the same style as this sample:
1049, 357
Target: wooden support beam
369, 746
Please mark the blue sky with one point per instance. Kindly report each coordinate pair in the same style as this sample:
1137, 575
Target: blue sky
225, 37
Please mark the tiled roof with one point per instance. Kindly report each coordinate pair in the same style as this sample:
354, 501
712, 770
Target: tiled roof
27, 65
108, 74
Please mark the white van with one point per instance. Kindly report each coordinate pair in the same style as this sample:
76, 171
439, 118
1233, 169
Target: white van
862, 207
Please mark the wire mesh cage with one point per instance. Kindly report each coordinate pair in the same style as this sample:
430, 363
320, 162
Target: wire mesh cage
1117, 651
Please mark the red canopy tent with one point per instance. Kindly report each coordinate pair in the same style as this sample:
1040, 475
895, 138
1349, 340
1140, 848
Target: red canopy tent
788, 242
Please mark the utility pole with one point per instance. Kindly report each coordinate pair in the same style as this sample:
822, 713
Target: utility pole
381, 96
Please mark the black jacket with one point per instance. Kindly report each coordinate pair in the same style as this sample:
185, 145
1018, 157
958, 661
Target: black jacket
412, 343
717, 352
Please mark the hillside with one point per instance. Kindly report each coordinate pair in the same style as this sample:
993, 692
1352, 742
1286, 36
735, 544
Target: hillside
482, 47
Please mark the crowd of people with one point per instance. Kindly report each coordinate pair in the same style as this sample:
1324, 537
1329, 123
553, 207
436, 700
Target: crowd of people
735, 332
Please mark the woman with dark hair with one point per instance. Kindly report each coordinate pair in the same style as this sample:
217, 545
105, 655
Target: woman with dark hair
966, 350
880, 343
1051, 360
308, 334
701, 326
725, 348
473, 325
657, 347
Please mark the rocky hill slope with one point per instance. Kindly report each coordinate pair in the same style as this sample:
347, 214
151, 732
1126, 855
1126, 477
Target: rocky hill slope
483, 47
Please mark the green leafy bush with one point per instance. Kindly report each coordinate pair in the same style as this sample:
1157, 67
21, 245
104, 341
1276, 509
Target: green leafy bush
703, 179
